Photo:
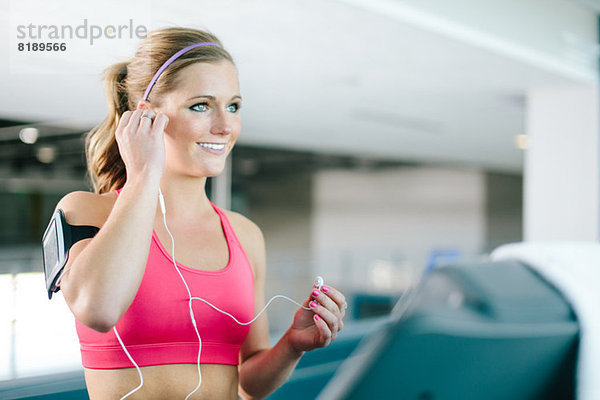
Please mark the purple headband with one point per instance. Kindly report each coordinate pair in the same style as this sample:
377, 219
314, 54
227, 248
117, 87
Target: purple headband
170, 60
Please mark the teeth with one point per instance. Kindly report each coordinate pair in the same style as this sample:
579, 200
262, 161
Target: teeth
212, 146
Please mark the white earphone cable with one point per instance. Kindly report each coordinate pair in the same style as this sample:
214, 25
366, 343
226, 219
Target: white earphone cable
163, 209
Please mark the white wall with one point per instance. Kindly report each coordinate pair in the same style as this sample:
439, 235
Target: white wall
395, 215
562, 164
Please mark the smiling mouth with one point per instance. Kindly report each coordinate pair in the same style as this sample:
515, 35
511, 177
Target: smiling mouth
213, 146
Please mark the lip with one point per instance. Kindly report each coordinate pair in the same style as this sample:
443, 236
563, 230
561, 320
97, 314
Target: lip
213, 151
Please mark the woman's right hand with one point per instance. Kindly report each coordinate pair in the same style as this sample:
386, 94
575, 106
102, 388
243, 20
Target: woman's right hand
141, 143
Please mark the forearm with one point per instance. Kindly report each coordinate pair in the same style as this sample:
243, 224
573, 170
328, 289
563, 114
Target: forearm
266, 371
105, 277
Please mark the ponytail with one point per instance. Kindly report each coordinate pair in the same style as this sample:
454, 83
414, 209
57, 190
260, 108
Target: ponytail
106, 169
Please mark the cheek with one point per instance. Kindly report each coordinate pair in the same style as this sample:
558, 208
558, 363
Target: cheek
185, 129
174, 125
237, 128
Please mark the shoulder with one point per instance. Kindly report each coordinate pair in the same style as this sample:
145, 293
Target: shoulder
242, 223
86, 208
247, 231
249, 235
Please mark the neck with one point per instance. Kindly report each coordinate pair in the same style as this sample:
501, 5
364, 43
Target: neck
185, 197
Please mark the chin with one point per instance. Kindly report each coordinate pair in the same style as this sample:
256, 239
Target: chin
212, 175
210, 171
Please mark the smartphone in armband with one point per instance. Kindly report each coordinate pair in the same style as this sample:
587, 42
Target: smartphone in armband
57, 240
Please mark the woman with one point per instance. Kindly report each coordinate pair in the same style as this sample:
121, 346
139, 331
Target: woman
169, 135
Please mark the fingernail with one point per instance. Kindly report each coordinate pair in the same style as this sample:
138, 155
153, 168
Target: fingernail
316, 293
313, 304
325, 289
317, 317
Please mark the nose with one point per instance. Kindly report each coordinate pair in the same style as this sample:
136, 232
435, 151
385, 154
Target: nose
220, 124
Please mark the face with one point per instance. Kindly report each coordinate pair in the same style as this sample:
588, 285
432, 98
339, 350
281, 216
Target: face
204, 118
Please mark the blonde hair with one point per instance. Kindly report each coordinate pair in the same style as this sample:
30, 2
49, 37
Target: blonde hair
125, 85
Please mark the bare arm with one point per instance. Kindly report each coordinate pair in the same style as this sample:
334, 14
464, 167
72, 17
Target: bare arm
105, 272
267, 370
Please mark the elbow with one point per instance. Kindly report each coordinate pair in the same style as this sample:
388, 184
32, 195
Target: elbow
94, 322
102, 320
97, 323
101, 326
91, 307
245, 396
248, 397
96, 318
88, 309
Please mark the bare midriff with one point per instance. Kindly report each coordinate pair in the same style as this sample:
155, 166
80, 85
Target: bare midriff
175, 381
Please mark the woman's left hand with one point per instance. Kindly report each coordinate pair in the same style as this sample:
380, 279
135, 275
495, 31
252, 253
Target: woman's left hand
319, 326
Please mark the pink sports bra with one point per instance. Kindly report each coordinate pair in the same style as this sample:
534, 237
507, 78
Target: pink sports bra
157, 329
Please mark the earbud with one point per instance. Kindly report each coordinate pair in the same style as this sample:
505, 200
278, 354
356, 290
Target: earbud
319, 282
161, 200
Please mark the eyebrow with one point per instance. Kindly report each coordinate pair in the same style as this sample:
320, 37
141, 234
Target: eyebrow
212, 97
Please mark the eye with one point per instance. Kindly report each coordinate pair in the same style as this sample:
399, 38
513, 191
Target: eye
199, 107
234, 107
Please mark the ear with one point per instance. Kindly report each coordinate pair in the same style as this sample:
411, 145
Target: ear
144, 105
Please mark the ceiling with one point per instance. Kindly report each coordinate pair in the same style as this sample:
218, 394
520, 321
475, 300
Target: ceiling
368, 79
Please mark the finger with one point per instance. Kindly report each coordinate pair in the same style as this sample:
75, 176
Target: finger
336, 296
160, 123
331, 305
331, 298
330, 318
146, 119
135, 119
145, 124
124, 119
326, 302
324, 332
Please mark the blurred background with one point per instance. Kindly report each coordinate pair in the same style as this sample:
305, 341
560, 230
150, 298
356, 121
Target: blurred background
380, 138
